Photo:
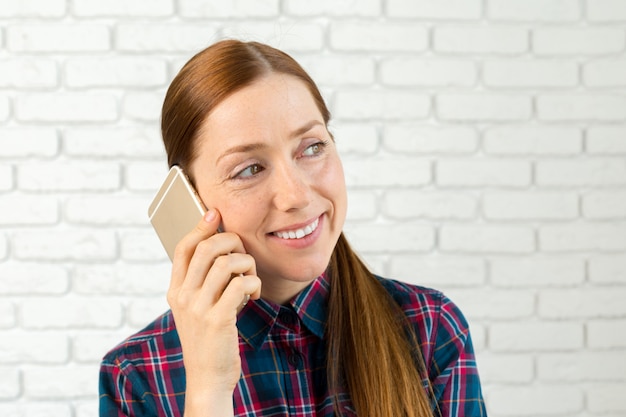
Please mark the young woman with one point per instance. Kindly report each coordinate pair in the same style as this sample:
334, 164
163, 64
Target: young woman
277, 316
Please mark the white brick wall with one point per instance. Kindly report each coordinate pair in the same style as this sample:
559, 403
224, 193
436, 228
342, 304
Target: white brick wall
484, 146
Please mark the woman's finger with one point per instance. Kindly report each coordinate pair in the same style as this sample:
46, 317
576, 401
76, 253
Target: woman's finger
185, 249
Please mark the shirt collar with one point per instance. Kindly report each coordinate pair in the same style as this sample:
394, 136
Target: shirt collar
257, 318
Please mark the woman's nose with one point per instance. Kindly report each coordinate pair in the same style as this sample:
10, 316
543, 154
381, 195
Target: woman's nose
291, 188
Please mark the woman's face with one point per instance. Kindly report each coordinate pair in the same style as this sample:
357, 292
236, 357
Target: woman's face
267, 163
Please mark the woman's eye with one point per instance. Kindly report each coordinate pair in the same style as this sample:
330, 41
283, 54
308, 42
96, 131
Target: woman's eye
314, 149
249, 171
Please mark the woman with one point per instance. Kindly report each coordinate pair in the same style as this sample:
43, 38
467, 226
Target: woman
321, 335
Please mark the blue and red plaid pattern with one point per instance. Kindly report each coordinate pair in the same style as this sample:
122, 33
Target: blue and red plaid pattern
284, 360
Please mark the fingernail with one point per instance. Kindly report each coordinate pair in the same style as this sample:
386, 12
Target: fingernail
209, 216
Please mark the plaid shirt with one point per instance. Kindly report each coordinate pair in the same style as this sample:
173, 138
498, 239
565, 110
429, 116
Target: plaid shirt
284, 358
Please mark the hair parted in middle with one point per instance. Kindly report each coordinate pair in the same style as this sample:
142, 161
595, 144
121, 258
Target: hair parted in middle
373, 353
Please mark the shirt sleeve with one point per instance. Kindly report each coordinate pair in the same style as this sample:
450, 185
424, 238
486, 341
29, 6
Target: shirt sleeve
123, 392
454, 375
114, 388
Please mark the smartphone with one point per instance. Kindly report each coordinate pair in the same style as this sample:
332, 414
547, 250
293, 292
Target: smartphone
175, 210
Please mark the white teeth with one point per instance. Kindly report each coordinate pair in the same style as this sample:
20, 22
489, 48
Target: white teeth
299, 233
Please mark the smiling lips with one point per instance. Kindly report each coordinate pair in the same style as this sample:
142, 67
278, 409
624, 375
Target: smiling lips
298, 233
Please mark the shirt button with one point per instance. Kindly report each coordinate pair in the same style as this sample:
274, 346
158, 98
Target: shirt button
295, 359
287, 318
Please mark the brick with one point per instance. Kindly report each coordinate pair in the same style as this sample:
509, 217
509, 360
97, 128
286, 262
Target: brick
502, 368
537, 399
606, 269
486, 239
386, 172
69, 176
438, 271
145, 176
364, 8
540, 205
141, 312
339, 70
39, 409
66, 107
28, 210
606, 10
573, 107
537, 272
534, 10
363, 205
487, 304
84, 409
583, 237
110, 210
600, 172
27, 73
19, 347
288, 36
483, 107
58, 37
605, 205
133, 72
582, 366
414, 204
8, 316
10, 386
134, 280
32, 8
435, 9
419, 139
6, 177
31, 278
121, 8
356, 138
530, 73
578, 41
482, 172
606, 334
375, 36
114, 142
532, 140
473, 39
141, 246
532, 336
380, 104
406, 71
60, 382
607, 398
3, 246
22, 142
65, 245
232, 9
402, 237
605, 73
163, 37
5, 108
90, 347
582, 302
606, 140
142, 106
71, 313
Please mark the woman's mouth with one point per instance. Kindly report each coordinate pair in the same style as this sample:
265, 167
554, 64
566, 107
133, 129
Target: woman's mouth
298, 233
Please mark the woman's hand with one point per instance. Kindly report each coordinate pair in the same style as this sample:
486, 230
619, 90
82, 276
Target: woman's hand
212, 277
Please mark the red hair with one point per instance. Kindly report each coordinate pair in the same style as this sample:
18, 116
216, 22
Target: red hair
364, 323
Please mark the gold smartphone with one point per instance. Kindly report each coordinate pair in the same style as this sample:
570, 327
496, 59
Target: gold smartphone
175, 210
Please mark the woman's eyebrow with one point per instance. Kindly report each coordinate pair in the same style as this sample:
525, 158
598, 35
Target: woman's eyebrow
306, 127
248, 147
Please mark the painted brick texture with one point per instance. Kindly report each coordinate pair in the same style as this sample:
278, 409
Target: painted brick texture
484, 146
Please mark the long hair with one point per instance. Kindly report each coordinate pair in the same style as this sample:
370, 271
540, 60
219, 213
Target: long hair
372, 352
